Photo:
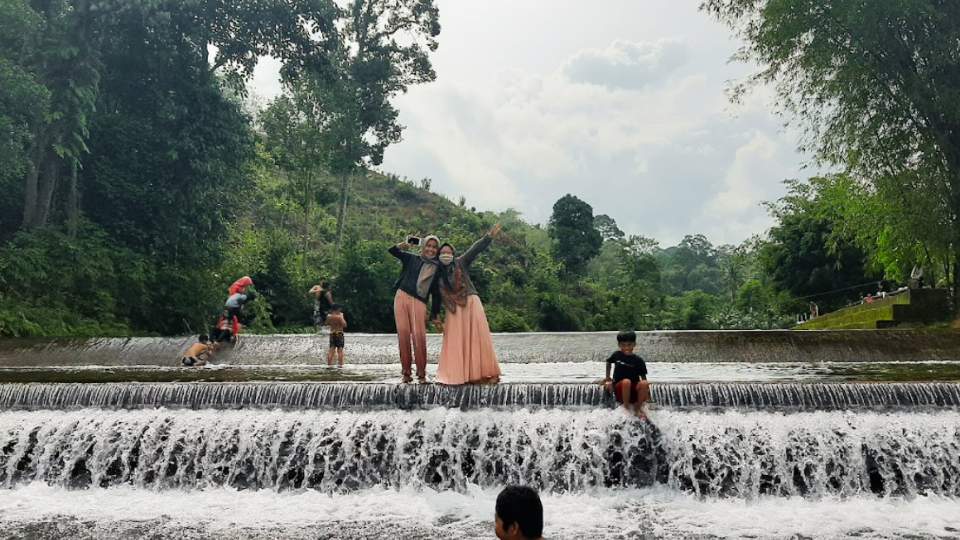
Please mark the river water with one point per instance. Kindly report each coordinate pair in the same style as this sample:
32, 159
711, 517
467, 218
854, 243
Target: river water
748, 449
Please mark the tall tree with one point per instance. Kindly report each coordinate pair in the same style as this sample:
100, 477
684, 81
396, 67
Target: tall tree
575, 238
65, 55
65, 58
386, 47
875, 85
24, 102
608, 228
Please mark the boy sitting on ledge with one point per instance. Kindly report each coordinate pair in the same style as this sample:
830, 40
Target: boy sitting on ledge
629, 383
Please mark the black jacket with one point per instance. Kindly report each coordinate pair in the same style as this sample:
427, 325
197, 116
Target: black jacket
410, 276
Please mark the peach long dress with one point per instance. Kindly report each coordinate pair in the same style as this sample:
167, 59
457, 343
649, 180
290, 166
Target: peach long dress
467, 354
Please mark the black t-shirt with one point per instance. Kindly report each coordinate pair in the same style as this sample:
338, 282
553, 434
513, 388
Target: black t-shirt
627, 366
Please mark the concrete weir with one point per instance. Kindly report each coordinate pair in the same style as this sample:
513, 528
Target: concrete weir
659, 346
352, 396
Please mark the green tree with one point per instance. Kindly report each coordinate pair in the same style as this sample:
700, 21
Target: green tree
607, 228
804, 257
875, 86
385, 49
691, 265
24, 105
575, 240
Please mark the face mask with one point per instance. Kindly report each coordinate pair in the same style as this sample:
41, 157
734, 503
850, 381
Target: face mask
446, 258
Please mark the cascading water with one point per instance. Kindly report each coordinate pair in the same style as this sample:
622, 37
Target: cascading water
747, 438
767, 396
730, 454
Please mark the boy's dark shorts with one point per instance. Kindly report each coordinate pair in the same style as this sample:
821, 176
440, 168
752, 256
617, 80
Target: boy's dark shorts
634, 393
336, 340
189, 361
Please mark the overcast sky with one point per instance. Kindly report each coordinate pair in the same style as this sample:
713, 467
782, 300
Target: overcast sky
619, 102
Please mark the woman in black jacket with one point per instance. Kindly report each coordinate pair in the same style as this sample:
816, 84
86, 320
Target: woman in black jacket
417, 285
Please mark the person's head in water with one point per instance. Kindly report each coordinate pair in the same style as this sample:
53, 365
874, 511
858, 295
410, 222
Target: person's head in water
519, 514
203, 338
430, 246
627, 340
447, 254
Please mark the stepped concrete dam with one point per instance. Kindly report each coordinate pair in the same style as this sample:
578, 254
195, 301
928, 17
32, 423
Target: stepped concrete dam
761, 434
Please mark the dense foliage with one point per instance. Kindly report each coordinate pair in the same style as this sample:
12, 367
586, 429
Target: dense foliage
136, 184
874, 84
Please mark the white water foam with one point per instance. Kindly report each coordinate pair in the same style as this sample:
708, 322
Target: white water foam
730, 454
657, 512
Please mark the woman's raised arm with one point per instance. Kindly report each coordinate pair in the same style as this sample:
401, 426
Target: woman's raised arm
480, 245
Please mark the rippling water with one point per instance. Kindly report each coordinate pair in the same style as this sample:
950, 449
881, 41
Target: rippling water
47, 512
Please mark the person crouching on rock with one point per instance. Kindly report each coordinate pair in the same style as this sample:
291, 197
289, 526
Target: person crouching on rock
417, 284
629, 383
199, 353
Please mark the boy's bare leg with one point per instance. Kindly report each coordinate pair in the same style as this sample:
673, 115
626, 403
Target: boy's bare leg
643, 392
625, 393
340, 356
330, 353
643, 397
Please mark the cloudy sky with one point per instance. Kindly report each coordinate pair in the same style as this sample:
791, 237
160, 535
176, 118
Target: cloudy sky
619, 102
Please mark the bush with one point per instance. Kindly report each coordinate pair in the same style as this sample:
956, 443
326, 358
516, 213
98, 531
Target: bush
505, 320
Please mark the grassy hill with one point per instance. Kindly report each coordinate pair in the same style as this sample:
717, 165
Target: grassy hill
287, 242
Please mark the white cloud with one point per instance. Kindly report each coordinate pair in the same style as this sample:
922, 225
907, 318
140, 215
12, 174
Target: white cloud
624, 64
626, 111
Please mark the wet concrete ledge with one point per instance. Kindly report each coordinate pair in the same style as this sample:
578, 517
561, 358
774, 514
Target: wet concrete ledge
660, 346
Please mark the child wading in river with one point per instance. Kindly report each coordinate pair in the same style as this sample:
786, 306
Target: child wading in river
629, 383
337, 324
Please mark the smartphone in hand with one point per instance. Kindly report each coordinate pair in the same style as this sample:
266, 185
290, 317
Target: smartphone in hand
413, 240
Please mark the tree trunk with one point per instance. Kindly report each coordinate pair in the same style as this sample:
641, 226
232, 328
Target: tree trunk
342, 212
30, 195
73, 201
48, 185
307, 206
30, 191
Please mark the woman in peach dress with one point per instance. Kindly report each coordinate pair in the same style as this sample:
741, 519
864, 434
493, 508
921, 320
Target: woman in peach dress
467, 355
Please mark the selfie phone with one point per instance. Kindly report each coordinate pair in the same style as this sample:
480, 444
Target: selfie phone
413, 240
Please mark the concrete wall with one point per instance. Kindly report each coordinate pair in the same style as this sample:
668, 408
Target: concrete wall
693, 346
911, 306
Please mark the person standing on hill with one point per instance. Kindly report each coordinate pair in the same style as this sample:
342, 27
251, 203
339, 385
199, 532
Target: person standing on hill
417, 284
